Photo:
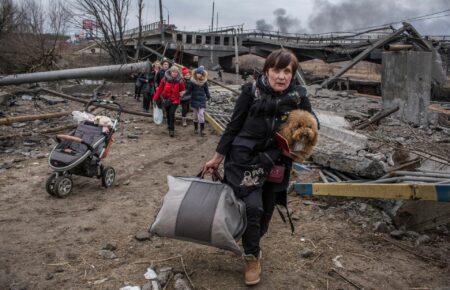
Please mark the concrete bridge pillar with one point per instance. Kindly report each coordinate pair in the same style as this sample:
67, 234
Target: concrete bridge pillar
406, 82
208, 62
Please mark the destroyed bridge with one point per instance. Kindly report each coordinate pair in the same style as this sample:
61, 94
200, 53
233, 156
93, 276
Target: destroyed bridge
210, 48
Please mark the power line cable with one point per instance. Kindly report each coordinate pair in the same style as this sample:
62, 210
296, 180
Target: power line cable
407, 19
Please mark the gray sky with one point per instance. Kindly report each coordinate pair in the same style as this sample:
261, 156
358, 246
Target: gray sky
299, 15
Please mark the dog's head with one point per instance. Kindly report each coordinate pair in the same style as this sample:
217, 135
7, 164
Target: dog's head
301, 131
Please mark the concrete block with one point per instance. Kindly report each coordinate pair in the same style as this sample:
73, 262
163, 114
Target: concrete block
406, 82
337, 128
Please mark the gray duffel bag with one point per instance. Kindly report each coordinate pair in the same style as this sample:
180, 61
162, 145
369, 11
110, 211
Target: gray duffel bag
201, 211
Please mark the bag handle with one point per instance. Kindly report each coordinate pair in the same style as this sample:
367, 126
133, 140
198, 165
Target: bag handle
215, 176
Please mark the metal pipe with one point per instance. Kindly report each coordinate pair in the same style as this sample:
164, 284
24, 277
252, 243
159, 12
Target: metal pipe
406, 178
424, 174
96, 72
398, 47
331, 175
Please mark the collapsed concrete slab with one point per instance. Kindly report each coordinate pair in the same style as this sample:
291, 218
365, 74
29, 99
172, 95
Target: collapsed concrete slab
337, 128
342, 149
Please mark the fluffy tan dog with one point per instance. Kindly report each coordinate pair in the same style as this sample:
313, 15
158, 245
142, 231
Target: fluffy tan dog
300, 131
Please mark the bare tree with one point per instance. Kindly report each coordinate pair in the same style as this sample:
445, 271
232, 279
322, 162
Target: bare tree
31, 35
9, 16
139, 40
111, 18
60, 17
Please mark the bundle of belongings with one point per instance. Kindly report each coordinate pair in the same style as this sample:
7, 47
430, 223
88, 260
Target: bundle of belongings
201, 211
102, 121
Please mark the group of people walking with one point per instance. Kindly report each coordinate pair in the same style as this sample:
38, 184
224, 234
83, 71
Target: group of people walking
169, 87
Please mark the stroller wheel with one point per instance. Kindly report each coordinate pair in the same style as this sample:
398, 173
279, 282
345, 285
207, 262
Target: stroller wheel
50, 183
63, 186
108, 176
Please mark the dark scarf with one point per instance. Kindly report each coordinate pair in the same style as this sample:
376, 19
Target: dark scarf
266, 97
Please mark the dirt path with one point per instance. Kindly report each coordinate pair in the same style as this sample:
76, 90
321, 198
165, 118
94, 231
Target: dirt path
49, 243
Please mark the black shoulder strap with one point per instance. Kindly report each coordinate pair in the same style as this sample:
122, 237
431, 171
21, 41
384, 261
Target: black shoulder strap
254, 89
284, 219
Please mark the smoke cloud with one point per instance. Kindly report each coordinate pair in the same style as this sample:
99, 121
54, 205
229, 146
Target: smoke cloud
262, 25
349, 15
285, 23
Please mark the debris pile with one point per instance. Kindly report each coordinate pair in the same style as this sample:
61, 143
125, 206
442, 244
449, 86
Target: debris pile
373, 153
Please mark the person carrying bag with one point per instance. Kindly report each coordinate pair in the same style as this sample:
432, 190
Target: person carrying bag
169, 91
255, 167
201, 211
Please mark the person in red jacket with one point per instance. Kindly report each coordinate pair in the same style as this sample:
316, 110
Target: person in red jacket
169, 90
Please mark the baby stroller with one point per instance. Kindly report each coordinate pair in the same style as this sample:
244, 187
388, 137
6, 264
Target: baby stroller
81, 153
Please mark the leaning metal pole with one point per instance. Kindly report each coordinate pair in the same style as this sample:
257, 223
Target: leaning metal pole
97, 72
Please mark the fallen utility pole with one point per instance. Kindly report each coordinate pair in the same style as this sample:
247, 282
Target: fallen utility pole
377, 117
12, 120
365, 53
71, 98
43, 132
180, 65
96, 72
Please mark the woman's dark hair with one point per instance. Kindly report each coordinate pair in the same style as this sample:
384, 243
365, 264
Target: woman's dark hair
280, 59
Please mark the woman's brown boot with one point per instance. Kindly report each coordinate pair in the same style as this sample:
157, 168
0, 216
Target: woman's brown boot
252, 270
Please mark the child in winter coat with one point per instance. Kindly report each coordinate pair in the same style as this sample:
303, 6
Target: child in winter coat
186, 98
199, 95
169, 91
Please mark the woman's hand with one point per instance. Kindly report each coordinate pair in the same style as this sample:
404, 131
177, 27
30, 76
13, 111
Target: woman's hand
212, 164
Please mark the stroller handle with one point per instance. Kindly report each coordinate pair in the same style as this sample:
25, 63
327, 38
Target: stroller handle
105, 102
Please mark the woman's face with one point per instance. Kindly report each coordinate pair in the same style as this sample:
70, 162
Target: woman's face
174, 74
279, 79
165, 66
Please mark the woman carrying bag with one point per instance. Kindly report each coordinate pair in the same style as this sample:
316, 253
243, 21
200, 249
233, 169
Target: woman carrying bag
250, 151
168, 93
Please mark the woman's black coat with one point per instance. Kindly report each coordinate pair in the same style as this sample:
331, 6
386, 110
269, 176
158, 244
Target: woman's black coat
249, 136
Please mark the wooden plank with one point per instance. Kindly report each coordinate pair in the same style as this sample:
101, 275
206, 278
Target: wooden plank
430, 192
25, 118
219, 129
